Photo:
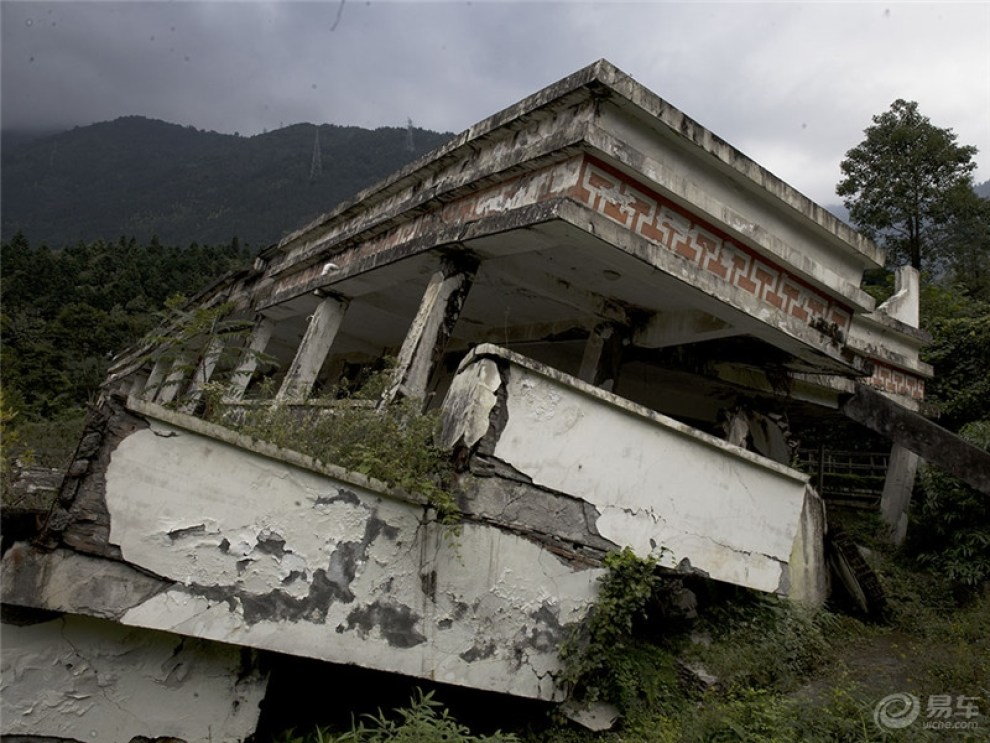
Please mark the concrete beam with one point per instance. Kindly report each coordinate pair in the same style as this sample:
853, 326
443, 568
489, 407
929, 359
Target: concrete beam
548, 332
587, 303
152, 384
227, 538
320, 333
685, 326
642, 480
905, 304
918, 434
811, 348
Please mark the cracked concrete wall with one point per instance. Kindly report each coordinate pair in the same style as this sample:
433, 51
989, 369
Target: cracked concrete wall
256, 551
84, 679
656, 484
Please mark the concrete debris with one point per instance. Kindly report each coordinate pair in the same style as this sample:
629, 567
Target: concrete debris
597, 717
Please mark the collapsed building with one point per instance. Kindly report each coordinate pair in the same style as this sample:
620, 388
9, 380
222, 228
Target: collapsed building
614, 312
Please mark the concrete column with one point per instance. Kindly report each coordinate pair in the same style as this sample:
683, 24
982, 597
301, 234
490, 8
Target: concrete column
203, 374
151, 385
178, 373
905, 304
257, 344
901, 470
134, 387
427, 338
323, 326
603, 356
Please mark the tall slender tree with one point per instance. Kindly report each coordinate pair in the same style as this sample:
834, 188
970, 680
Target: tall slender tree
903, 182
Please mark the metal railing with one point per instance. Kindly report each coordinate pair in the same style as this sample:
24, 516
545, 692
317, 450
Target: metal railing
850, 479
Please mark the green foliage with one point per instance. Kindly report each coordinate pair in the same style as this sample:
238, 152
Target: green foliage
395, 444
953, 523
960, 353
425, 720
9, 441
763, 716
50, 443
764, 642
602, 658
964, 243
905, 180
67, 312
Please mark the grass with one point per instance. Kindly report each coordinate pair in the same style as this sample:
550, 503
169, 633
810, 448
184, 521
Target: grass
395, 444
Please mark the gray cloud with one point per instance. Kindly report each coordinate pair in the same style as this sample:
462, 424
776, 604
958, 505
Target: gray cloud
792, 85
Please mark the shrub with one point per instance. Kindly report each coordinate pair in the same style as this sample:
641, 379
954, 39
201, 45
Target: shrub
603, 658
952, 529
394, 444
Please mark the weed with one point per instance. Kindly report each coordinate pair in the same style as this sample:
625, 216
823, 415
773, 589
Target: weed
603, 660
953, 523
763, 641
425, 720
395, 444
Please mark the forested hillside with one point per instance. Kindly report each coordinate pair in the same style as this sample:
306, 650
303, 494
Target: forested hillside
67, 312
141, 178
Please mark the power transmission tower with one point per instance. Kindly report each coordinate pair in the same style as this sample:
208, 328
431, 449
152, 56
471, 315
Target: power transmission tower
316, 165
410, 144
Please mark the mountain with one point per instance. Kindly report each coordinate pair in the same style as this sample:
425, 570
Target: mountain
13, 138
839, 211
140, 177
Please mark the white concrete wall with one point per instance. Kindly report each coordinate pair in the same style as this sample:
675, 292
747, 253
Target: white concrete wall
91, 680
659, 486
772, 228
268, 554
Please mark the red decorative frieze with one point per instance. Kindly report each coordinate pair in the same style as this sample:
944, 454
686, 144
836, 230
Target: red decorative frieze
663, 223
553, 181
625, 202
896, 381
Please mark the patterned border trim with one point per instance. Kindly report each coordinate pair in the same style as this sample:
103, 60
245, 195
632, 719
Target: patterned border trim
541, 185
663, 223
899, 382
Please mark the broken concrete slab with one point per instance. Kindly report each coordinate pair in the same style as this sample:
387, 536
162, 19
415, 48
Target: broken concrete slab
84, 679
656, 485
220, 542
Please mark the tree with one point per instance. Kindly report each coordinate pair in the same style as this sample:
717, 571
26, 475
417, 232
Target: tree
904, 181
964, 245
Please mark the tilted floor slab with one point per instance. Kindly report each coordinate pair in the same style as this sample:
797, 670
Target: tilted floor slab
655, 484
224, 538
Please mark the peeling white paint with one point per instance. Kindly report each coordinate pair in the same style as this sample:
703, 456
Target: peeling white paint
657, 484
297, 562
88, 679
472, 393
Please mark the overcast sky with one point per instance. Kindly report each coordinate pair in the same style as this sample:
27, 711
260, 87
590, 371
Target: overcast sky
792, 84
